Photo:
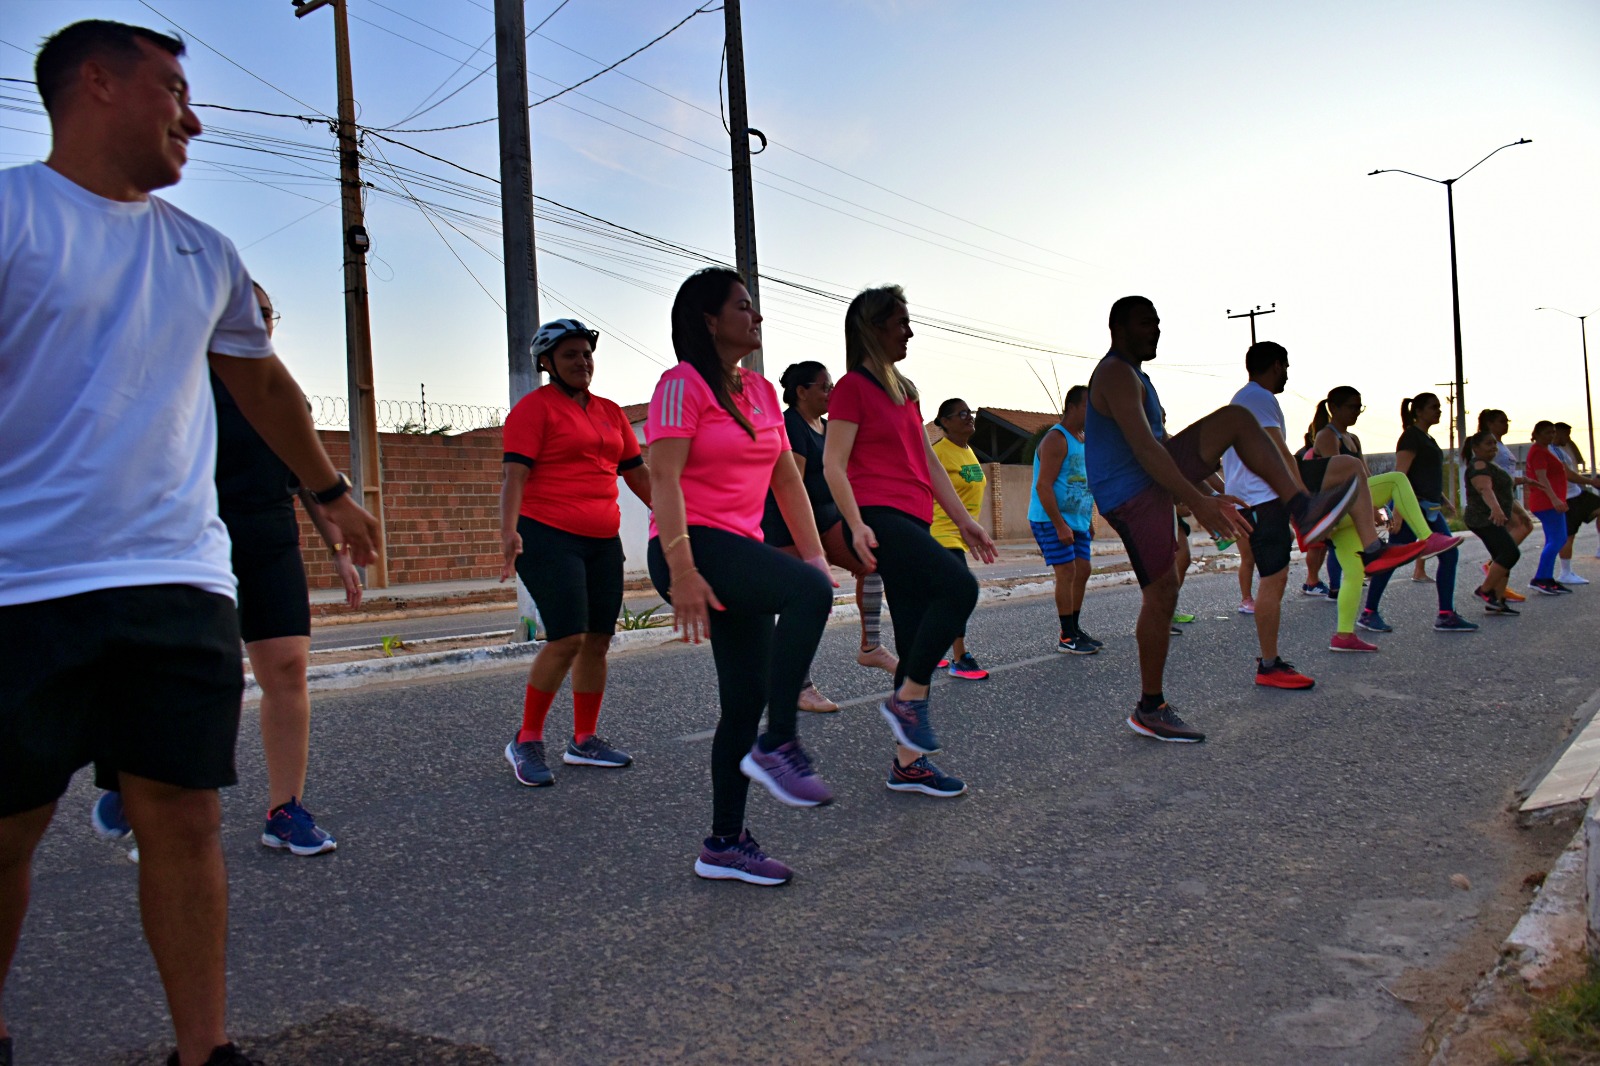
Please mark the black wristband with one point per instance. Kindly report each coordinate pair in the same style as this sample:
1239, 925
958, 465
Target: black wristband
328, 495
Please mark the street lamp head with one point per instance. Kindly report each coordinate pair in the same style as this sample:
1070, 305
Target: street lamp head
1374, 172
1525, 140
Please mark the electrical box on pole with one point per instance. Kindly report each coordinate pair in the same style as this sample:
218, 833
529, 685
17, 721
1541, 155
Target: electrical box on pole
366, 472
739, 133
516, 224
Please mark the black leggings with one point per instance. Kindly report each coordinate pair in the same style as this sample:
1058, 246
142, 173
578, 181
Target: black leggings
762, 642
930, 592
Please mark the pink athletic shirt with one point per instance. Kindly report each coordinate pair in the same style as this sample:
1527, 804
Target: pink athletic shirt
889, 463
726, 478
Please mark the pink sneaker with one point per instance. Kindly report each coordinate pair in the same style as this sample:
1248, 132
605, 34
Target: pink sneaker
1247, 606
1349, 642
1438, 544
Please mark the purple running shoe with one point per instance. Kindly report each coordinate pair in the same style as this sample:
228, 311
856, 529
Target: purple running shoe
786, 772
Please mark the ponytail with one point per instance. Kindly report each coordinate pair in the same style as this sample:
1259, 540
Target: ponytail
1409, 407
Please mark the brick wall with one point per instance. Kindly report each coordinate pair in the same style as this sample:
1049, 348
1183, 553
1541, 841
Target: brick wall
441, 501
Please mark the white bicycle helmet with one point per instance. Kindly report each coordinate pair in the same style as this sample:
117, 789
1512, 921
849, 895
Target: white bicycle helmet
553, 333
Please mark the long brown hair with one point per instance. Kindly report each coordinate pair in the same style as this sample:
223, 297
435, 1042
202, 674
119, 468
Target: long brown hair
704, 293
867, 314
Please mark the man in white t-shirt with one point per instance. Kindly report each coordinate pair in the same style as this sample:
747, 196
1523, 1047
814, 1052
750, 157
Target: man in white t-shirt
1271, 539
1582, 503
116, 594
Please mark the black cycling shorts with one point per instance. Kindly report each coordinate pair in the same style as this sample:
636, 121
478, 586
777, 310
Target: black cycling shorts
145, 680
576, 582
1502, 546
1580, 509
1271, 540
273, 601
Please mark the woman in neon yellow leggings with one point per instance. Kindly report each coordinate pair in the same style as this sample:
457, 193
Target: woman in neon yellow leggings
1335, 444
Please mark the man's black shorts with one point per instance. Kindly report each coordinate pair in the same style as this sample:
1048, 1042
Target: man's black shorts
145, 680
1580, 509
575, 581
1271, 538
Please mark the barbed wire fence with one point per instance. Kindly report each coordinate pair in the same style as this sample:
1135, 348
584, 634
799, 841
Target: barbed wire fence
410, 416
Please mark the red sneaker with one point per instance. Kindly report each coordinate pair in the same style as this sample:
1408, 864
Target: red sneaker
1349, 642
1397, 555
1280, 674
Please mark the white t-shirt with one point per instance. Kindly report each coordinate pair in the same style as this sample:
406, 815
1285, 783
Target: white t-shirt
1236, 477
108, 436
1573, 488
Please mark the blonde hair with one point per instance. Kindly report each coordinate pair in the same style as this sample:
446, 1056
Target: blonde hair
868, 313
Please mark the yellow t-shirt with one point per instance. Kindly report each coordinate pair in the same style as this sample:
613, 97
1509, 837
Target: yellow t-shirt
966, 474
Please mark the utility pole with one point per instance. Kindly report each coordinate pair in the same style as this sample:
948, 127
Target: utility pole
1251, 315
516, 226
365, 469
1452, 458
739, 133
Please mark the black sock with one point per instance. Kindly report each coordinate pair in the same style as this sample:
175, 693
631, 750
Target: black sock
1066, 625
716, 843
1147, 702
1074, 623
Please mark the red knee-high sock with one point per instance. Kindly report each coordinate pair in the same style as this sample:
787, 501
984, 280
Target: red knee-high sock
535, 706
585, 714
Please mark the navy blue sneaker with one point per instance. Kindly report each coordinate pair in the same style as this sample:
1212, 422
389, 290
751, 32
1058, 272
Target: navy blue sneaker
527, 762
1091, 641
1450, 622
1372, 622
107, 817
1075, 645
595, 752
924, 777
291, 827
909, 720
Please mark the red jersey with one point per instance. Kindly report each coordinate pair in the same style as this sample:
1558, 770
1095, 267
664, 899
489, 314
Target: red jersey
574, 454
889, 463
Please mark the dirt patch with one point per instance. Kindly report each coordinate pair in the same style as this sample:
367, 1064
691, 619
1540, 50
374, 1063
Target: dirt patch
1438, 994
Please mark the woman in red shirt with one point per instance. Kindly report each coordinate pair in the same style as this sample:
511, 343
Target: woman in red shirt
717, 445
559, 523
1547, 499
882, 473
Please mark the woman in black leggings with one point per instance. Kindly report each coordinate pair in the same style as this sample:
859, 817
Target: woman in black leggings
885, 478
717, 445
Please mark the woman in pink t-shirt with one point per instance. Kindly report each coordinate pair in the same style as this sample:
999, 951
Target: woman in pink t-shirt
717, 444
884, 478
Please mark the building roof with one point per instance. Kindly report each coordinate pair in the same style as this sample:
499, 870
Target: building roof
1025, 422
636, 412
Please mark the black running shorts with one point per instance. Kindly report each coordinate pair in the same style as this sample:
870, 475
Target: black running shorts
145, 680
1580, 509
576, 582
1271, 540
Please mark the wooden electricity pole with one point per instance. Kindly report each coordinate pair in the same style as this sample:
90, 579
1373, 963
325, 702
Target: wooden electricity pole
516, 226
739, 133
1251, 315
365, 468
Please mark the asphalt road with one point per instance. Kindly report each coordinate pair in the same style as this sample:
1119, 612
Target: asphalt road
1097, 897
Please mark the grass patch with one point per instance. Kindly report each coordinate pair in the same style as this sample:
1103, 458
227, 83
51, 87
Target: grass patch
1566, 1031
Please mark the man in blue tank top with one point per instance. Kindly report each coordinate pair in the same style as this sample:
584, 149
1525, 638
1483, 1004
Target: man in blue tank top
1137, 472
1060, 510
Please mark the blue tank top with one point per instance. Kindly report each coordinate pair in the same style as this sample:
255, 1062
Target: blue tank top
1070, 488
1115, 476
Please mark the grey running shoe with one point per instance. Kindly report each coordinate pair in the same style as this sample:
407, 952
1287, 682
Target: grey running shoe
1163, 723
595, 752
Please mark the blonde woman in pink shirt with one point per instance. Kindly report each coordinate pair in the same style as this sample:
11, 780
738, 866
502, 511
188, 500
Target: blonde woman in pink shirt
717, 444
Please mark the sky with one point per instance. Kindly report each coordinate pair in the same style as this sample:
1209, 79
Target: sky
1016, 167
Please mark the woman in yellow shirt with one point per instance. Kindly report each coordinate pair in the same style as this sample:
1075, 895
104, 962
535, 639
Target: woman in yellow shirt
957, 421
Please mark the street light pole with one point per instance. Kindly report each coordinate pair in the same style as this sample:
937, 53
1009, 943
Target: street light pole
1455, 285
1588, 397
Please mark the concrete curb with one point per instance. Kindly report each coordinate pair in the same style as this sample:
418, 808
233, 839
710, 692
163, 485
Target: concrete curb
332, 677
1549, 933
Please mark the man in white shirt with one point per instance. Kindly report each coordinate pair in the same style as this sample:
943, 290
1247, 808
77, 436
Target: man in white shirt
1271, 539
116, 596
1582, 503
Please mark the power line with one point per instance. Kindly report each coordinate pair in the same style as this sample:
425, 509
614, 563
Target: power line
704, 9
241, 66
